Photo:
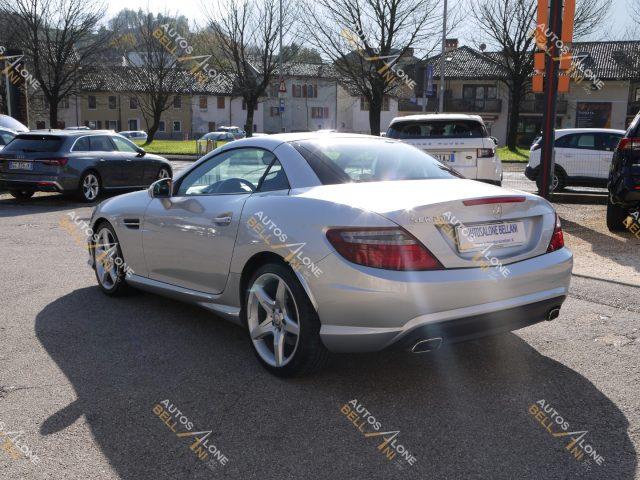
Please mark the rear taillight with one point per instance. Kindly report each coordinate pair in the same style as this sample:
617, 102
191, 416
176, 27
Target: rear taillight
56, 162
486, 152
557, 239
387, 248
629, 144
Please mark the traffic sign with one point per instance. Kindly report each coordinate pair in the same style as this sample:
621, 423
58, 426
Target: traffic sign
283, 87
282, 105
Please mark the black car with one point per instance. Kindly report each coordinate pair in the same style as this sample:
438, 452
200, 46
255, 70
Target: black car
624, 178
77, 162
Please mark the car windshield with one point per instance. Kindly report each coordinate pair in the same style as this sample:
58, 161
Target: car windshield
34, 143
363, 160
437, 129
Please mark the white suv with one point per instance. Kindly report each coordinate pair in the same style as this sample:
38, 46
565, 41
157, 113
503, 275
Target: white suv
460, 141
582, 157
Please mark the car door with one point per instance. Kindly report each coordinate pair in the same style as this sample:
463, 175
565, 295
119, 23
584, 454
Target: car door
565, 153
133, 165
587, 155
188, 239
606, 143
109, 163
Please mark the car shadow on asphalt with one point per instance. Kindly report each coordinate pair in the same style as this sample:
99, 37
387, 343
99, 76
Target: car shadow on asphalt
462, 412
44, 203
606, 246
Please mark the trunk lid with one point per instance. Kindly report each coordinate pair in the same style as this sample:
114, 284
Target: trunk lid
496, 223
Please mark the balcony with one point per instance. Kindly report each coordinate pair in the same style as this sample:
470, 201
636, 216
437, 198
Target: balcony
537, 106
460, 105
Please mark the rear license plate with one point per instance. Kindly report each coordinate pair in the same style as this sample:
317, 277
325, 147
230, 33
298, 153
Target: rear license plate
20, 165
477, 237
444, 157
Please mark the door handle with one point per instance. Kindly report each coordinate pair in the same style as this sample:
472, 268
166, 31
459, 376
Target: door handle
224, 219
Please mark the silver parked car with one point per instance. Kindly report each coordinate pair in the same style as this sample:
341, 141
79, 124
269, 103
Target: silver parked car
346, 243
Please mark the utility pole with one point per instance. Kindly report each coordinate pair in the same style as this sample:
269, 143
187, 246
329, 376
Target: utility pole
552, 68
442, 62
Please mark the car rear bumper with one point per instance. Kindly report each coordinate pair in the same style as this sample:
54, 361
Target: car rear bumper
363, 309
42, 185
38, 182
478, 326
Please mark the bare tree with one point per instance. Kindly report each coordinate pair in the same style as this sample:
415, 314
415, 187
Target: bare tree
154, 50
58, 38
366, 41
244, 45
508, 26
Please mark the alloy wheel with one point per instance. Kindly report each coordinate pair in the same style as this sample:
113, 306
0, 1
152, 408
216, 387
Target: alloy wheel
105, 254
273, 320
90, 186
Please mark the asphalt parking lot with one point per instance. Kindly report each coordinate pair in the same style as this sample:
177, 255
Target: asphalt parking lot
83, 379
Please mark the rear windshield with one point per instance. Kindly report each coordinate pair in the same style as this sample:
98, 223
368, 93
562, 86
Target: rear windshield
350, 160
437, 129
34, 143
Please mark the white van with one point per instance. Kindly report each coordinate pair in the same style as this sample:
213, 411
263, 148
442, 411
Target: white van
460, 141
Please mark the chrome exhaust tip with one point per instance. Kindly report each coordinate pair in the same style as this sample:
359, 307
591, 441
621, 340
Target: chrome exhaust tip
427, 345
553, 314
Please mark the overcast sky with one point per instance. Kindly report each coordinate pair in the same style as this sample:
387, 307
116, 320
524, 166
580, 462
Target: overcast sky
619, 24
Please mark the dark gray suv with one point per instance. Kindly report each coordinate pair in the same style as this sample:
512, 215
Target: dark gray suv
77, 162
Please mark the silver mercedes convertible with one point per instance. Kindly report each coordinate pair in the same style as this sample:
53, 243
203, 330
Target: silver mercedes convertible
336, 242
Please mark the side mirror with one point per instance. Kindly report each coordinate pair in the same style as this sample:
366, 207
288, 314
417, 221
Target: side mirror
495, 140
141, 151
162, 188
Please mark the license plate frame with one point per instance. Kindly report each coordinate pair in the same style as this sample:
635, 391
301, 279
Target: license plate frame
20, 165
495, 235
444, 157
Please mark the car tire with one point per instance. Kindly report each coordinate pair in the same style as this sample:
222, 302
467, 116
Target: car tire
615, 217
558, 183
277, 312
110, 273
90, 187
21, 194
164, 172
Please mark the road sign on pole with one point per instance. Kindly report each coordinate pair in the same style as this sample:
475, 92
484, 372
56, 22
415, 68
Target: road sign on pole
281, 108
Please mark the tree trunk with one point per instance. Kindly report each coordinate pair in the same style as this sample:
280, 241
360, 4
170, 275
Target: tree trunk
514, 117
153, 129
248, 124
53, 113
374, 119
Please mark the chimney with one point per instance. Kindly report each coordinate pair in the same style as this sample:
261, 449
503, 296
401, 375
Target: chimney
450, 44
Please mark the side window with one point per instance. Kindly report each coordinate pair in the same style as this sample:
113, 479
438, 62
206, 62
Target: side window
587, 141
230, 172
565, 142
100, 143
123, 145
275, 179
609, 141
82, 145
